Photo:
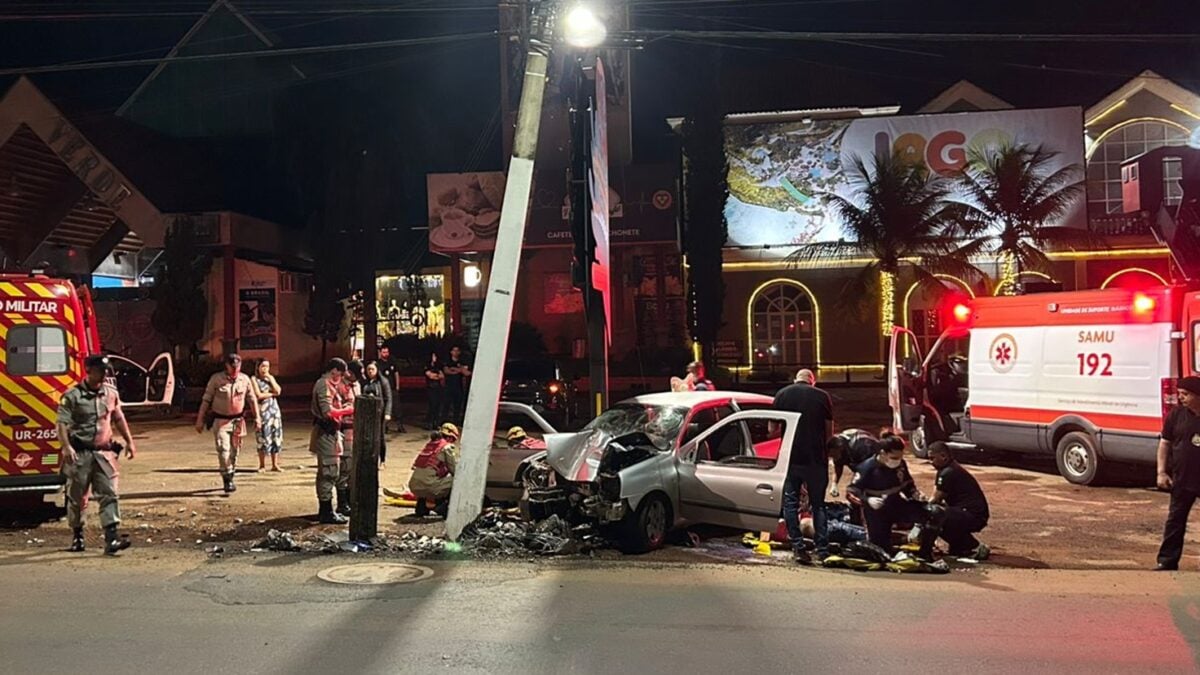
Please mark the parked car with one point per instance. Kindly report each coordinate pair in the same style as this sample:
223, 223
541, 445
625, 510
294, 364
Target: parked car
656, 462
505, 463
141, 387
539, 383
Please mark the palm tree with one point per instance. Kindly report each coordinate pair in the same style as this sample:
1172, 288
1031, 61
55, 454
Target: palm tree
897, 219
1015, 199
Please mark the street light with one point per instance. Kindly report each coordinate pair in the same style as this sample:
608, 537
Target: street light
583, 28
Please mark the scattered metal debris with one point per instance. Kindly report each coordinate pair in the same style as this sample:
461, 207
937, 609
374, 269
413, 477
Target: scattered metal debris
501, 533
279, 541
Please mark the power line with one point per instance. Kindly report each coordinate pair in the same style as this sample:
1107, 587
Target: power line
291, 51
827, 36
87, 15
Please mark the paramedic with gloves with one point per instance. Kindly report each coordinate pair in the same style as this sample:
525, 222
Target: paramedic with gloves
1179, 469
884, 488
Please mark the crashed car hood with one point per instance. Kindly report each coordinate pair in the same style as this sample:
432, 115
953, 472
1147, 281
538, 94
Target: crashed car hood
576, 457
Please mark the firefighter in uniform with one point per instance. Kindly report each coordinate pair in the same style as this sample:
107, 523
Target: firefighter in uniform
87, 414
433, 471
224, 409
326, 439
349, 389
519, 440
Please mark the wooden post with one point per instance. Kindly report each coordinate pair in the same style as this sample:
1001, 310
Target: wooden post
364, 478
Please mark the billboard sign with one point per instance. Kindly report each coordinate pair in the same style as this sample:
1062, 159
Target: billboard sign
781, 172
641, 208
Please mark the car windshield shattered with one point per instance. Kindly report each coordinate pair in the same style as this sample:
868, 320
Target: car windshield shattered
660, 423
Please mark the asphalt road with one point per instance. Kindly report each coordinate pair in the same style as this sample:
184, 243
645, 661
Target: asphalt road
270, 614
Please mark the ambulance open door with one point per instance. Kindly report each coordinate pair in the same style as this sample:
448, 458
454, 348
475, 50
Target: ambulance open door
1191, 329
906, 380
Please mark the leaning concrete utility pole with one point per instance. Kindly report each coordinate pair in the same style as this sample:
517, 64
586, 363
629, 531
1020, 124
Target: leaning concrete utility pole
470, 478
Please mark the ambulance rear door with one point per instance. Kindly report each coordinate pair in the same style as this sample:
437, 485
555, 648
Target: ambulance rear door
1191, 329
906, 380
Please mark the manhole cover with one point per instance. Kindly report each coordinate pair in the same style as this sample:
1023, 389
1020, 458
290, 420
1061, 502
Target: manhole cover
374, 574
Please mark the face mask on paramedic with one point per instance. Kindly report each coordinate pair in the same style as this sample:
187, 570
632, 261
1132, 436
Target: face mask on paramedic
892, 462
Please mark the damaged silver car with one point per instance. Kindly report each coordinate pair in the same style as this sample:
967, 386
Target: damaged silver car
661, 461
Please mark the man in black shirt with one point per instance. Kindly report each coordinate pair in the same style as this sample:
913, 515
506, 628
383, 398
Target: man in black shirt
457, 372
1179, 469
809, 464
966, 506
391, 374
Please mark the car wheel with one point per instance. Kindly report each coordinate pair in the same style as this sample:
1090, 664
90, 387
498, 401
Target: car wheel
646, 530
1078, 460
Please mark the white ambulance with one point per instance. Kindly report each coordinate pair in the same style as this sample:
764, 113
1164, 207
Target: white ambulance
1086, 376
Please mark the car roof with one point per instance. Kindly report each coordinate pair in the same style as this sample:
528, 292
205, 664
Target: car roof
690, 399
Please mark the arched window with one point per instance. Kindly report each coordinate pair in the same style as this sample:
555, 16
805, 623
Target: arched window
1120, 143
1135, 278
783, 326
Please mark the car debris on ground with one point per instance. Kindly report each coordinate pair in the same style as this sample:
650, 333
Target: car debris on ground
500, 532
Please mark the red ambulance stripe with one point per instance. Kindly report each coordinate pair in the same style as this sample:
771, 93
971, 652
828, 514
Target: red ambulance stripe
49, 384
1105, 421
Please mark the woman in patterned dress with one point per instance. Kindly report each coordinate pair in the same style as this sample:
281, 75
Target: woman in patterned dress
270, 432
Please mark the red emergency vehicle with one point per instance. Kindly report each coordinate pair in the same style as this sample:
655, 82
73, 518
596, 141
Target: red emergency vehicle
47, 328
1085, 376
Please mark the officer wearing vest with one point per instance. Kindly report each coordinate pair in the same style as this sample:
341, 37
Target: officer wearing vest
519, 440
433, 471
328, 410
224, 409
87, 414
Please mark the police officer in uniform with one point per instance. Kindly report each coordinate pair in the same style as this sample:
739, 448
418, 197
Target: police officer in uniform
86, 416
224, 409
325, 441
1179, 469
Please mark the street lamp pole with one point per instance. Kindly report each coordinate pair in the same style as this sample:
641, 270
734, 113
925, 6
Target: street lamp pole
590, 236
470, 479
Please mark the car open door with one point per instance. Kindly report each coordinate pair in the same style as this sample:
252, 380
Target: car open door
906, 379
160, 381
130, 379
1190, 353
721, 479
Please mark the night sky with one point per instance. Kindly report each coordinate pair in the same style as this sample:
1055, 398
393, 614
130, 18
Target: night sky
453, 90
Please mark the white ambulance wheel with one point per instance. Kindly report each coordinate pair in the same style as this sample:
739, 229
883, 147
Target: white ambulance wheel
1078, 460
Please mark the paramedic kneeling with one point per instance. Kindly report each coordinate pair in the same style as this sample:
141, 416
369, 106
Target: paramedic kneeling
1179, 469
884, 488
966, 506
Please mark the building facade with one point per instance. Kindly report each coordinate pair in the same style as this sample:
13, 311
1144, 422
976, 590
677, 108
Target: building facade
780, 316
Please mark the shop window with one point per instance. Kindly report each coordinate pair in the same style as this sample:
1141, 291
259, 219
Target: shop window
1172, 175
1122, 143
37, 350
783, 326
410, 305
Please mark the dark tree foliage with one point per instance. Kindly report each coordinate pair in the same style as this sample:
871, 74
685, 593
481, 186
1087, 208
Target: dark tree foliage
181, 308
